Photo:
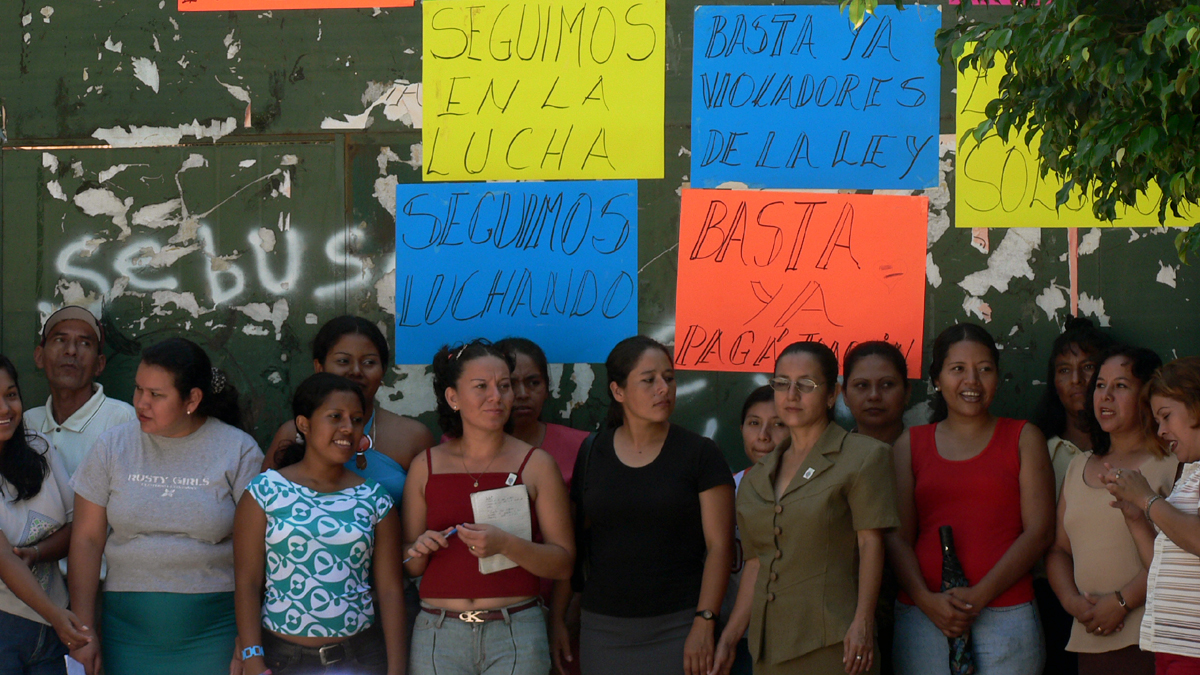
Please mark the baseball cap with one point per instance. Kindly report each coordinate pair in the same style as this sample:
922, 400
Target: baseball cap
72, 312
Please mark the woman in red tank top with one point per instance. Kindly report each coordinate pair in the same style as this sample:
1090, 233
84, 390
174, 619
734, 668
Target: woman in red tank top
471, 621
990, 479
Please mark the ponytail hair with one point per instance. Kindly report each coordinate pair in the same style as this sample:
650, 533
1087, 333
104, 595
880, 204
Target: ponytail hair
191, 369
309, 396
620, 363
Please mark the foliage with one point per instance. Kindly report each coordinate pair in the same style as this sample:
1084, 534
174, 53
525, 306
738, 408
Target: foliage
859, 9
1112, 86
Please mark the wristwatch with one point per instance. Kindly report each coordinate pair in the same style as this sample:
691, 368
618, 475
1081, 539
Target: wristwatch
707, 615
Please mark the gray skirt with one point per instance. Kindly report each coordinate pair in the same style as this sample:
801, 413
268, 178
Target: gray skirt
650, 645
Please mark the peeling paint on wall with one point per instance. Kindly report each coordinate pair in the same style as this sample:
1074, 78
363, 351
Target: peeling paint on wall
583, 376
1166, 274
146, 71
1089, 306
1011, 259
1051, 300
402, 102
101, 202
411, 394
933, 273
143, 137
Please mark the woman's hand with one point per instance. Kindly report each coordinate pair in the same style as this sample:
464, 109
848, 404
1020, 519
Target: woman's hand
560, 646
859, 645
27, 554
483, 540
1107, 615
950, 614
1082, 607
89, 656
253, 666
428, 542
698, 648
70, 629
725, 655
1129, 486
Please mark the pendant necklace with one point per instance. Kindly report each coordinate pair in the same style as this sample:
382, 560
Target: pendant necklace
485, 469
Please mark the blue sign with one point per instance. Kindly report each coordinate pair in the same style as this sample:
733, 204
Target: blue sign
553, 262
794, 97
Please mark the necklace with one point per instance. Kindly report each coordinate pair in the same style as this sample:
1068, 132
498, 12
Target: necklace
485, 469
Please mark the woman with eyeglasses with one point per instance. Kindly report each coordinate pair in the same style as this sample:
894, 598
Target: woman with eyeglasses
989, 479
806, 513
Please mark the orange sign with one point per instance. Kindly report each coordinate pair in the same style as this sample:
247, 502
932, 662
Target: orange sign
263, 5
761, 270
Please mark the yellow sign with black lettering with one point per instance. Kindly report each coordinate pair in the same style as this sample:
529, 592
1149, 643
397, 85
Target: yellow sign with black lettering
551, 90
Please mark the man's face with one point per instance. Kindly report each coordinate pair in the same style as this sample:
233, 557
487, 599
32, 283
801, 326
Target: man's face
71, 355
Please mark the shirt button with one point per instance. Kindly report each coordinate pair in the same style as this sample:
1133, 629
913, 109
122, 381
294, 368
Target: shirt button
770, 597
778, 531
774, 576
778, 554
778, 508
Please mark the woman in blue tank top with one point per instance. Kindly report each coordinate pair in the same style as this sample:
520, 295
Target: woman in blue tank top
356, 349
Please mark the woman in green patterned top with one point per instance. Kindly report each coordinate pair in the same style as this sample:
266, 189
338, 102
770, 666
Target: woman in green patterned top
315, 534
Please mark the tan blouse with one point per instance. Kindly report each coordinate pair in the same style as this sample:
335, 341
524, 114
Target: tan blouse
1105, 554
806, 541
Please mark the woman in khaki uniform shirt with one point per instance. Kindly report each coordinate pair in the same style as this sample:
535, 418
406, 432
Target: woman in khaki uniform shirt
820, 500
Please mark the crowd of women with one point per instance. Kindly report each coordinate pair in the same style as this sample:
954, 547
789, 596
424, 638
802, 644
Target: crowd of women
359, 543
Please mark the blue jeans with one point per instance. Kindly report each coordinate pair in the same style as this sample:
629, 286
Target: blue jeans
444, 645
1005, 641
29, 648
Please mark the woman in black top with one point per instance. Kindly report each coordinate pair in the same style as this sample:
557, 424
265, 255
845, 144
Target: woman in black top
656, 501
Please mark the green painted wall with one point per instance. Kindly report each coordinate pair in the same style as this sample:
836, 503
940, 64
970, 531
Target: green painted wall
247, 243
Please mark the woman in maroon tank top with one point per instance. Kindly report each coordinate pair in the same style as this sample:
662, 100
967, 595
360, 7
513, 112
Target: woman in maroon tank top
989, 478
471, 621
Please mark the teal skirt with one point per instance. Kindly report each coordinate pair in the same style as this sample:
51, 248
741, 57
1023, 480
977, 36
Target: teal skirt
167, 633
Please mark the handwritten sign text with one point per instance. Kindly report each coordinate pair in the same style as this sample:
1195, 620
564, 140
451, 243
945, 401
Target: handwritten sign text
761, 270
794, 97
553, 262
554, 90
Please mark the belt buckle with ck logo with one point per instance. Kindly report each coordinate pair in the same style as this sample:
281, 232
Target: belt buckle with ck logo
470, 617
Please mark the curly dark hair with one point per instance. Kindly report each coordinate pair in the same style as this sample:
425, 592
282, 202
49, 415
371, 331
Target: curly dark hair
21, 464
448, 365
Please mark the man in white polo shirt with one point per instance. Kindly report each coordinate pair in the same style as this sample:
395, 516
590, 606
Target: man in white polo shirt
77, 411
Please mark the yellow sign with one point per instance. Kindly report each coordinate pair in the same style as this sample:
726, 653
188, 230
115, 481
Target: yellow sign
549, 90
998, 184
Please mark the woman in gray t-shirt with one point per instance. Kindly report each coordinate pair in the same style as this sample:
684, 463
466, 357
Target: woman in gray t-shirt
167, 486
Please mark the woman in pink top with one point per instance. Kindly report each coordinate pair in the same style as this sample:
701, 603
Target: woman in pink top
531, 388
990, 479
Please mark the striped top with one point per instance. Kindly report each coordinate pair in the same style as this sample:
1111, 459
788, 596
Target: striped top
1172, 621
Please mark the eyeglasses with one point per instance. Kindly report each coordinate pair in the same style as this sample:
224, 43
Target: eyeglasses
804, 386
